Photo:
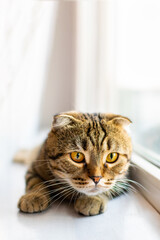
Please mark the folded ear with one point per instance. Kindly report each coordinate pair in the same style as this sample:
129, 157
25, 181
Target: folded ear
121, 121
115, 119
64, 119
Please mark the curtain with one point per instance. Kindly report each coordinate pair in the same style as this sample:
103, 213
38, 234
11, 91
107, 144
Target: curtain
56, 56
26, 30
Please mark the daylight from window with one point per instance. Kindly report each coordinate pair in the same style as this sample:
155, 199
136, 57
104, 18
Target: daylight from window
138, 72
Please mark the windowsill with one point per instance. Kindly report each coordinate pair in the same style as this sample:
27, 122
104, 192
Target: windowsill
124, 214
148, 176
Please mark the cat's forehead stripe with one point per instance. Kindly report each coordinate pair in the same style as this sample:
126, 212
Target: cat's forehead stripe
93, 129
104, 131
109, 143
84, 144
89, 135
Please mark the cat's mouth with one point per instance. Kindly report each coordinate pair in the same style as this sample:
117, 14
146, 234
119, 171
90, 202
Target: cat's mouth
93, 189
97, 190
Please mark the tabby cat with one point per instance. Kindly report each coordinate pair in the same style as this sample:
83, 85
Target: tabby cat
84, 159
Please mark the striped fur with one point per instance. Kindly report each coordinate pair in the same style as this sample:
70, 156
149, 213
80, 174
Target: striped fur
53, 175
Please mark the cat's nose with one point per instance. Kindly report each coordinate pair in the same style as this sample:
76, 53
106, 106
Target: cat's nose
96, 179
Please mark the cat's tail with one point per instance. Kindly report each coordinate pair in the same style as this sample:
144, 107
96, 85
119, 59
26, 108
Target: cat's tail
27, 156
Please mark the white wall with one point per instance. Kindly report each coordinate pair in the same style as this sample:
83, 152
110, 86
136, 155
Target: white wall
59, 83
95, 56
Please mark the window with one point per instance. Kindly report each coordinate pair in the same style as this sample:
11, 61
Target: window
138, 72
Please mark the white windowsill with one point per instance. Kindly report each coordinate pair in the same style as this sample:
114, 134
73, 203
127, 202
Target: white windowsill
148, 176
128, 216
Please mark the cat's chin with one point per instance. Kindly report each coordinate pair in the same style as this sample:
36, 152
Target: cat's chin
93, 191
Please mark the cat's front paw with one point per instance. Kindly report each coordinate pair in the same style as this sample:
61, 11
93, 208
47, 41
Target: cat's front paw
32, 202
90, 205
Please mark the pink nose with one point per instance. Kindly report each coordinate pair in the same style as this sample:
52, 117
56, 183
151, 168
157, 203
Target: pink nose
96, 179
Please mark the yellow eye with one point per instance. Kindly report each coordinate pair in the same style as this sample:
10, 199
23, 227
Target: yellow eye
77, 157
112, 157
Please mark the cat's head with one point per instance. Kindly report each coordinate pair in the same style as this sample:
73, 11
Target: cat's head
89, 151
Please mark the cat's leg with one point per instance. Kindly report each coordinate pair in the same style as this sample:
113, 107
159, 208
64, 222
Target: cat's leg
91, 205
37, 197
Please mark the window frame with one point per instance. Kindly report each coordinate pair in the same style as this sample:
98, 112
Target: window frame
148, 175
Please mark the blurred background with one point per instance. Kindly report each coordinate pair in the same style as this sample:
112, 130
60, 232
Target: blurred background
91, 56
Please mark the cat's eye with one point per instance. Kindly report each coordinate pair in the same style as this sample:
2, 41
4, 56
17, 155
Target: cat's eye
77, 157
112, 157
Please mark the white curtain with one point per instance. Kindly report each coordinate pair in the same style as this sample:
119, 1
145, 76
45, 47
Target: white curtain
26, 31
55, 56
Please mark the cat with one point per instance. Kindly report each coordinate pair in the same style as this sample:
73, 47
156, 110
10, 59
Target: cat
84, 159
